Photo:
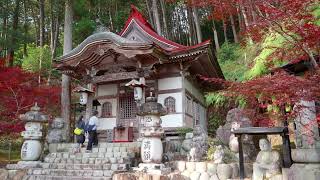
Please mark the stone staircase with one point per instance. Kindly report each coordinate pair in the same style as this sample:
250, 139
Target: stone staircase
101, 163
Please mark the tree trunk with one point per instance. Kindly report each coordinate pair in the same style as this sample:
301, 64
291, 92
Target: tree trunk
25, 28
239, 18
36, 25
66, 89
149, 13
156, 16
192, 36
14, 30
197, 23
234, 31
42, 37
244, 15
225, 30
215, 35
165, 28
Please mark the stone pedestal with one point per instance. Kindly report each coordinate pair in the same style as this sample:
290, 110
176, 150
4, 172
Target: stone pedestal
151, 133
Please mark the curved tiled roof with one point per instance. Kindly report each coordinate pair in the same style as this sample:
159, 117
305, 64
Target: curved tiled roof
107, 37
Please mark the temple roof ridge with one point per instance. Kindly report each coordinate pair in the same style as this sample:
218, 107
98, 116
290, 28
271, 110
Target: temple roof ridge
100, 37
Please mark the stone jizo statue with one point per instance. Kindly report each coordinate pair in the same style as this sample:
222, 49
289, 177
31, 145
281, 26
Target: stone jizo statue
56, 130
218, 155
186, 144
267, 163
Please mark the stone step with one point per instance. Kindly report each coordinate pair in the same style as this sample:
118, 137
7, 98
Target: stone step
104, 149
87, 160
114, 167
72, 173
61, 147
67, 155
49, 177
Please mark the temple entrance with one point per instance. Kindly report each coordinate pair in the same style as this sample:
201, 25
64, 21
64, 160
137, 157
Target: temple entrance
127, 111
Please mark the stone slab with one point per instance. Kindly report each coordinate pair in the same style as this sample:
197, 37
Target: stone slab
306, 155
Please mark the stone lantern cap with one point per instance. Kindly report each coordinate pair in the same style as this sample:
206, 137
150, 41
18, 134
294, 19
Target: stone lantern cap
34, 115
151, 107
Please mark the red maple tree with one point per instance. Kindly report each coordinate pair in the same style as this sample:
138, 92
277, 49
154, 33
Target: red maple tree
292, 19
19, 90
280, 90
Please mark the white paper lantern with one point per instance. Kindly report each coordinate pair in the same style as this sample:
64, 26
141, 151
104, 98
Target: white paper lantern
137, 93
83, 98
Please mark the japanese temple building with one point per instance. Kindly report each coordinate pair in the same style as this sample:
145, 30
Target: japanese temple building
105, 62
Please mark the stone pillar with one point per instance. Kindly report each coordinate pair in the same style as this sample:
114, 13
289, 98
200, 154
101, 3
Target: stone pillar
306, 156
151, 132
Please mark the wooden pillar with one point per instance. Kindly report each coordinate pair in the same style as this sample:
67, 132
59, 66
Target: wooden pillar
89, 106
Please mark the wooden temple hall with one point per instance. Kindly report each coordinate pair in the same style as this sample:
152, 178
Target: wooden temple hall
111, 65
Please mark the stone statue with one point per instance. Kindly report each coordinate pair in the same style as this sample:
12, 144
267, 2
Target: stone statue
218, 155
233, 140
56, 130
186, 144
199, 144
234, 115
267, 162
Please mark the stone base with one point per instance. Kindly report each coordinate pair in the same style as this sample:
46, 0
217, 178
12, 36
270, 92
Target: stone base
24, 165
306, 155
151, 168
304, 172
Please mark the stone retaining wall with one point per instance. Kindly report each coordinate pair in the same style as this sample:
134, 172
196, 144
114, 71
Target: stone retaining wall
207, 170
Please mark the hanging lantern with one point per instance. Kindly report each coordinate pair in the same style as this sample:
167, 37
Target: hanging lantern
137, 89
84, 93
83, 97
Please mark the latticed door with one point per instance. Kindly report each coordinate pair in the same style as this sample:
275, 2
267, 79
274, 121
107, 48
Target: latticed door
128, 111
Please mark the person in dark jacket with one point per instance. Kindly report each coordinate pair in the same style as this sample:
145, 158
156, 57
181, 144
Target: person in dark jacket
81, 125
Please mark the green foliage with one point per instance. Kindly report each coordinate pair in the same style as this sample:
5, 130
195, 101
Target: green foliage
268, 47
217, 99
213, 123
231, 58
35, 56
228, 57
229, 52
183, 131
229, 156
82, 29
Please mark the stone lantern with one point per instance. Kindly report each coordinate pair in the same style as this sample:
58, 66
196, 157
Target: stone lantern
151, 146
31, 148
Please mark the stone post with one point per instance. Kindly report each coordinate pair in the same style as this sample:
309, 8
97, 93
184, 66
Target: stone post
151, 132
306, 156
